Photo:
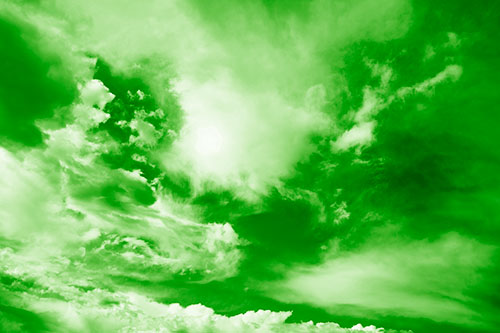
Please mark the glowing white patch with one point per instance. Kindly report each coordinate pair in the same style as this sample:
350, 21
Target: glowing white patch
207, 141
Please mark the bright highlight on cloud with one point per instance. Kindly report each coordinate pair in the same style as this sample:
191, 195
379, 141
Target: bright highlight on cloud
250, 166
208, 141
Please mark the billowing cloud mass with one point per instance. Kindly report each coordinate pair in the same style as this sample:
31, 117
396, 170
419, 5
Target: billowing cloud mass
250, 166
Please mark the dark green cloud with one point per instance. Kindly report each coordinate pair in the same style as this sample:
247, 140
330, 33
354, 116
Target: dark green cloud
33, 84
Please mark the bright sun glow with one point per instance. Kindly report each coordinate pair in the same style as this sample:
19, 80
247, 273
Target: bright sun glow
207, 140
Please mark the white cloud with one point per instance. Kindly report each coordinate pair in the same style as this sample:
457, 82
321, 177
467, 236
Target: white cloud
425, 279
453, 40
86, 313
147, 134
375, 99
341, 214
54, 197
360, 135
95, 93
239, 138
257, 92
451, 73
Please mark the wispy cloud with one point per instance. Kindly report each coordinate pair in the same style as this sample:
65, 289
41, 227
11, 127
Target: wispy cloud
418, 278
376, 99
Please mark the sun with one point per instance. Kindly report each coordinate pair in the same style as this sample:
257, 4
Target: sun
208, 140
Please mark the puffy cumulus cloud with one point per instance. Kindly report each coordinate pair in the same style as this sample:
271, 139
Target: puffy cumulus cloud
79, 309
64, 201
147, 135
420, 278
95, 93
378, 98
66, 299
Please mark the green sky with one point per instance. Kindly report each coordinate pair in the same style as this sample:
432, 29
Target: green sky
249, 166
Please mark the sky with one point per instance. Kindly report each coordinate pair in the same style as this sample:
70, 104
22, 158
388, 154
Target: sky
249, 166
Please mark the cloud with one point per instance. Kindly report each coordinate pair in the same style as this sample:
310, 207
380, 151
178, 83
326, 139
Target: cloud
102, 310
376, 99
96, 204
54, 197
65, 297
250, 138
450, 73
33, 84
95, 93
453, 40
259, 92
424, 279
264, 118
360, 135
